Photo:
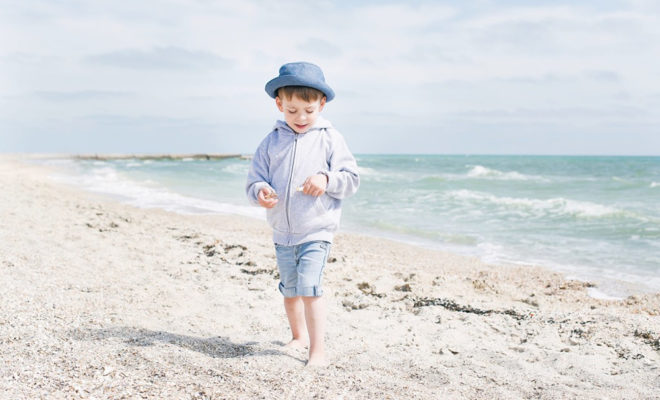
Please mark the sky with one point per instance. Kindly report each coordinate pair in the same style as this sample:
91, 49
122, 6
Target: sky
447, 77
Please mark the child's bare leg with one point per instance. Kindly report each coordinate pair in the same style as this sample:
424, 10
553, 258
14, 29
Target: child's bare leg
296, 315
315, 318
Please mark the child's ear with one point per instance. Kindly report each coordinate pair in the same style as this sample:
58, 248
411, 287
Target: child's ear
323, 99
279, 104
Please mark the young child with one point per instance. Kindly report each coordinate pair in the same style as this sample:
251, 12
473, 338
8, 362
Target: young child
300, 173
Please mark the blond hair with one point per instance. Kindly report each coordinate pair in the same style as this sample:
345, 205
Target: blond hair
304, 93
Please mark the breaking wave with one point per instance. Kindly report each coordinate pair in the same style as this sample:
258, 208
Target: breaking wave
557, 205
481, 172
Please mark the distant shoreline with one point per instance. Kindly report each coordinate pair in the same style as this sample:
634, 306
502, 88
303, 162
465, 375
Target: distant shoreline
106, 157
219, 156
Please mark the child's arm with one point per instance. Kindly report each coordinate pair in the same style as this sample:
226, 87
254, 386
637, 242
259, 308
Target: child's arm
343, 178
258, 190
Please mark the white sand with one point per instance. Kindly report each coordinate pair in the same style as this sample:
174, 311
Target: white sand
102, 300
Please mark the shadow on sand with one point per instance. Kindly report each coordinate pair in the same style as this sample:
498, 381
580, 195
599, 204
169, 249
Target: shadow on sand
216, 347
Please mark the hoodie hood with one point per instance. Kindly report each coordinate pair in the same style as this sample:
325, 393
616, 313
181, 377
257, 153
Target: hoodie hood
321, 123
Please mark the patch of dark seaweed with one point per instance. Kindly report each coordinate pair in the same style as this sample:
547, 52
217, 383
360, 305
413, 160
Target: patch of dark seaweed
649, 338
257, 271
453, 306
367, 289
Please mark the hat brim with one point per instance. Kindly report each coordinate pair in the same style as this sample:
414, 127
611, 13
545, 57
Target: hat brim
290, 80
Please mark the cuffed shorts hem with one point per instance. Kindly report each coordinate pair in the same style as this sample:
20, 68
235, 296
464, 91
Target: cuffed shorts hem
310, 291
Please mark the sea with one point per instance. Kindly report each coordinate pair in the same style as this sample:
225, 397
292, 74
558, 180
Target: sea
591, 218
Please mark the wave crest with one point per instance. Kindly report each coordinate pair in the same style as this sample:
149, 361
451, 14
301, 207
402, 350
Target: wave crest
557, 205
481, 172
149, 194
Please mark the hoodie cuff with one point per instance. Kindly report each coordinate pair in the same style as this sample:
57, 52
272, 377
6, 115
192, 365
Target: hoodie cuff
329, 187
255, 191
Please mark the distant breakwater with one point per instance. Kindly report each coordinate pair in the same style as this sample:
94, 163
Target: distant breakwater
108, 157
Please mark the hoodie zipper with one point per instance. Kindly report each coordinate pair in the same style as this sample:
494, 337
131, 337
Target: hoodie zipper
288, 188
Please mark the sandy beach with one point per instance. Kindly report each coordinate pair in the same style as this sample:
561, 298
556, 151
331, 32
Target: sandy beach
103, 300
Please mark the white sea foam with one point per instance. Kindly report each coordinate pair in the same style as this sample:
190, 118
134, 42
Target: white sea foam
147, 194
558, 205
600, 295
237, 168
368, 171
490, 252
611, 284
654, 184
377, 175
585, 208
481, 172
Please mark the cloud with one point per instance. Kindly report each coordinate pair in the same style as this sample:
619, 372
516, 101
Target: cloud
603, 75
320, 47
27, 59
550, 114
145, 120
81, 95
161, 58
405, 15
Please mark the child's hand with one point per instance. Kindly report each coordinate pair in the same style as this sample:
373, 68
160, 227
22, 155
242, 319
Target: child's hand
267, 198
315, 185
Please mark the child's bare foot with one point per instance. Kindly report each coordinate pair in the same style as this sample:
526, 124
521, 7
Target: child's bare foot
316, 360
297, 344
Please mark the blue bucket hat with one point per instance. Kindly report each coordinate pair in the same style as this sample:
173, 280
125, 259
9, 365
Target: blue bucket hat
300, 74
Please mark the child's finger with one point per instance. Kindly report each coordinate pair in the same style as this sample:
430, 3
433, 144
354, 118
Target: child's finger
306, 186
271, 203
266, 193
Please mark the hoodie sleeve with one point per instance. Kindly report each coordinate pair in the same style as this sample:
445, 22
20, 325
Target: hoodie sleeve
343, 177
258, 176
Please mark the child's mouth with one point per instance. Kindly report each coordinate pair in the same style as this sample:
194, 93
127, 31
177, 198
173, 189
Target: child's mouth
301, 126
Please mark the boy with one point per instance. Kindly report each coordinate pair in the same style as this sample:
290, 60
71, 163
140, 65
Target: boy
300, 173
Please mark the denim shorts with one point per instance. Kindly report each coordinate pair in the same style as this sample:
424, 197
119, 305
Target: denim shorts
301, 268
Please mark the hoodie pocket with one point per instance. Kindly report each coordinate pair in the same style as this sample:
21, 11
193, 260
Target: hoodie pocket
305, 212
320, 207
276, 217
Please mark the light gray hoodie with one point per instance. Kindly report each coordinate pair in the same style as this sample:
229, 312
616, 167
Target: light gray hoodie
283, 161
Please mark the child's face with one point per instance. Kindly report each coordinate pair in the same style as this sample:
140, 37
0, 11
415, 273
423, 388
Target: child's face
299, 114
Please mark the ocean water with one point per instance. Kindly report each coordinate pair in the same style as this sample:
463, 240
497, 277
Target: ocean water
591, 218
